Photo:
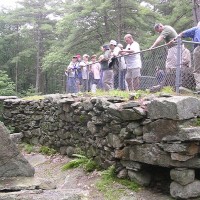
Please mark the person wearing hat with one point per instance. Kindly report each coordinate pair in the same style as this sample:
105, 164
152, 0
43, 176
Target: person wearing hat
113, 62
107, 72
96, 71
70, 72
79, 72
85, 68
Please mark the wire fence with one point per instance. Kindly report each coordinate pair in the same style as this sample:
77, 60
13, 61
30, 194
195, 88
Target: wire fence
156, 72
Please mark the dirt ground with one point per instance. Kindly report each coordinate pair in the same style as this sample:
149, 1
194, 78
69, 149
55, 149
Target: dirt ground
72, 184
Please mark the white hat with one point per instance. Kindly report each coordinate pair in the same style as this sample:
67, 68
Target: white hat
86, 55
113, 42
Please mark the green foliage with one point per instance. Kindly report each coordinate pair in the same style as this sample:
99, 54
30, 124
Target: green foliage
47, 151
81, 161
168, 90
11, 128
7, 87
31, 92
28, 148
108, 181
197, 123
36, 47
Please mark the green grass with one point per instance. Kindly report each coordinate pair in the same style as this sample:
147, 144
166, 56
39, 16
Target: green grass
47, 151
28, 148
118, 93
33, 98
87, 164
197, 123
112, 187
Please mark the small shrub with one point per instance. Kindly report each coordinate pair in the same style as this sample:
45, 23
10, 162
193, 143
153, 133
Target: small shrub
197, 121
81, 161
107, 182
47, 151
28, 148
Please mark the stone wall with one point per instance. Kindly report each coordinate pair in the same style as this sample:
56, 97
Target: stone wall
128, 134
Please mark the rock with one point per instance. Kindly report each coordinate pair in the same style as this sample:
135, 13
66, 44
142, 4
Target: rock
185, 192
135, 166
177, 108
46, 185
130, 104
12, 163
155, 131
142, 177
182, 176
16, 137
114, 141
122, 173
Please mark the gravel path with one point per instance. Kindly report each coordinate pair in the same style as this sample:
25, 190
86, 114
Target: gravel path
73, 184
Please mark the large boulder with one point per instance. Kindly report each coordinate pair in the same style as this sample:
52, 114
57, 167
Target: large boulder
12, 163
176, 108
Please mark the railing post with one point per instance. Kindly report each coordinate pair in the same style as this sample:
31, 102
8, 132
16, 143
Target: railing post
178, 64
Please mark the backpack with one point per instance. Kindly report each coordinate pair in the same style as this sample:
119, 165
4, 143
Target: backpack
114, 63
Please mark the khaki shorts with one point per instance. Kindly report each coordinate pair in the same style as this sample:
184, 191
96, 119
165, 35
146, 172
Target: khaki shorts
133, 73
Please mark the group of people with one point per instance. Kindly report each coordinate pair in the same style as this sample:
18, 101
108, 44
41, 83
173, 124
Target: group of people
116, 68
120, 68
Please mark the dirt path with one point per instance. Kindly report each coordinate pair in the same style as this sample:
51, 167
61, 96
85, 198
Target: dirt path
73, 184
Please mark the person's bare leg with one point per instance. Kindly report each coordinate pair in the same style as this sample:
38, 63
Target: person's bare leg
136, 83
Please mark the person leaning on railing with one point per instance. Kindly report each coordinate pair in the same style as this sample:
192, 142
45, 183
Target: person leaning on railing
194, 33
167, 34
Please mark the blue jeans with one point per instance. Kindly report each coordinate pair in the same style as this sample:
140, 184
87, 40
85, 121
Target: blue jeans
122, 85
72, 85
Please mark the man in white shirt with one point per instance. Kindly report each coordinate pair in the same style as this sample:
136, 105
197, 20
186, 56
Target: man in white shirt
133, 62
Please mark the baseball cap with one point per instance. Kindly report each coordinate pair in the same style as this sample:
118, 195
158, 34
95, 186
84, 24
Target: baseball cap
106, 46
94, 56
113, 42
86, 55
78, 55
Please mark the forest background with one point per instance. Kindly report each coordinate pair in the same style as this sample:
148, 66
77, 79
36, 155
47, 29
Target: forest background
39, 37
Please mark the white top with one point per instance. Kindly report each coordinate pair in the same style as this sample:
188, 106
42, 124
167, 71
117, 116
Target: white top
133, 60
96, 68
71, 69
85, 69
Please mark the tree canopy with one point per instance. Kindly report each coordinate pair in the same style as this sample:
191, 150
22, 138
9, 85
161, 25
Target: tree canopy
38, 38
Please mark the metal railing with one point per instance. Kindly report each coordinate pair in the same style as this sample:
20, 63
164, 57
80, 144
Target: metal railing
154, 75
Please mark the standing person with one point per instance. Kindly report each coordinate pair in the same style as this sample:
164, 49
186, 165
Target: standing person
114, 63
96, 71
79, 73
167, 33
108, 75
133, 62
122, 70
85, 69
70, 72
194, 33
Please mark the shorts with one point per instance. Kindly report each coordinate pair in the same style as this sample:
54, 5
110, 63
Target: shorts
133, 73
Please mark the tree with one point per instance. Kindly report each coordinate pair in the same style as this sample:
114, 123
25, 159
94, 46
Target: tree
196, 11
7, 87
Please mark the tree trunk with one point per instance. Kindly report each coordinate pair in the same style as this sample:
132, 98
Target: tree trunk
119, 11
38, 67
196, 11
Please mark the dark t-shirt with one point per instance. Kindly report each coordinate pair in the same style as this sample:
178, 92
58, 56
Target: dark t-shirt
168, 33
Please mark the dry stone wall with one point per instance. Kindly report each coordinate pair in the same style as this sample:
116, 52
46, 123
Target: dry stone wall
128, 134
